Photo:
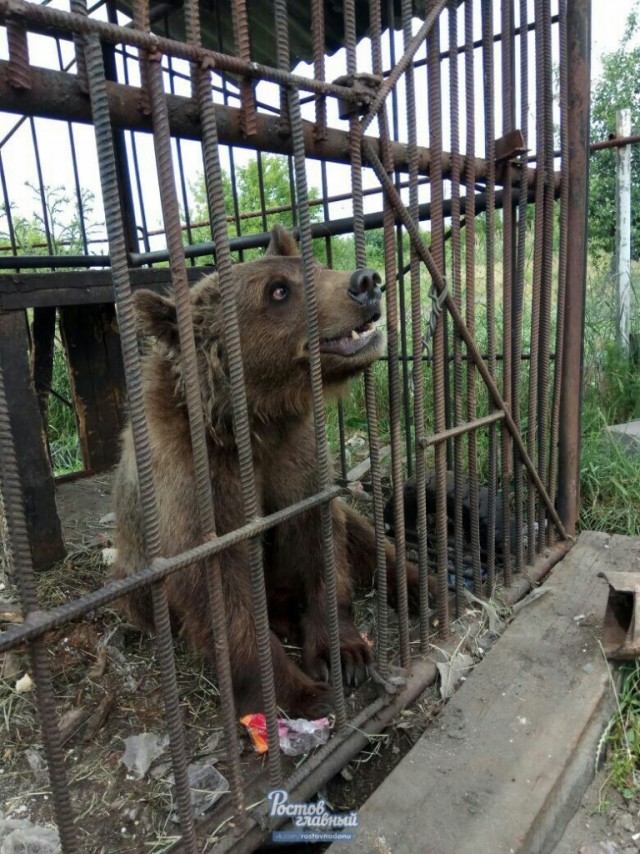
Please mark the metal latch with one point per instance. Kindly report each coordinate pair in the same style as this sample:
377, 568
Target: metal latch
366, 87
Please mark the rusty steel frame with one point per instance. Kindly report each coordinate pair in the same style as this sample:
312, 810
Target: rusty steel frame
57, 95
539, 467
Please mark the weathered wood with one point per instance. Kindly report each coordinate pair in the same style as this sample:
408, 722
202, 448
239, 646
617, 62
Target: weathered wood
43, 338
510, 756
92, 344
43, 524
79, 287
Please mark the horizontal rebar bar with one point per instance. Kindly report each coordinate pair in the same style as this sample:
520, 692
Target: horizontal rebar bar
40, 622
333, 228
461, 429
66, 23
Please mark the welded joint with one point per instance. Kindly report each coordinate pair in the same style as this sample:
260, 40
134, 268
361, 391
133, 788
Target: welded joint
509, 150
510, 146
365, 86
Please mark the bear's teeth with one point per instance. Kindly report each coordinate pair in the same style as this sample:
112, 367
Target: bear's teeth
355, 335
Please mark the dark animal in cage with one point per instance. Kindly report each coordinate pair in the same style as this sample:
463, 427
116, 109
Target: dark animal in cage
465, 534
272, 318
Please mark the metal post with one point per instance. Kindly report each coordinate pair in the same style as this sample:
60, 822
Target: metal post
578, 73
623, 227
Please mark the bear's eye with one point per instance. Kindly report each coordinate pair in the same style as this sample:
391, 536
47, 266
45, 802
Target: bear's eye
279, 292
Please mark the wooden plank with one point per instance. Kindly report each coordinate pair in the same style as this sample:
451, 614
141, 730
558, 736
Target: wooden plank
359, 471
43, 524
79, 287
92, 344
507, 761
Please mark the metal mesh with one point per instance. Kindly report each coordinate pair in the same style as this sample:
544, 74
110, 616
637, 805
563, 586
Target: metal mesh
472, 443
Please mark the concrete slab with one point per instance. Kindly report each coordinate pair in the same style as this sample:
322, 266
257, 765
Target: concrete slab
628, 435
513, 752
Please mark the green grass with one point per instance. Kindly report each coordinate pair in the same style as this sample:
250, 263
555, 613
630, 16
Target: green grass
63, 431
623, 735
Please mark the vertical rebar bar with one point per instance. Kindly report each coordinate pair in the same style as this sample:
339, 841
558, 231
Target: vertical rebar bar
456, 279
508, 234
23, 575
19, 69
313, 331
490, 238
470, 275
317, 39
393, 338
438, 367
355, 156
562, 259
533, 437
416, 329
578, 74
240, 20
322, 451
545, 163
404, 363
131, 359
241, 422
518, 290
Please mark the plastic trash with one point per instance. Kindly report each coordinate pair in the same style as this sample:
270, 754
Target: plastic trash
207, 786
141, 750
296, 736
300, 736
18, 836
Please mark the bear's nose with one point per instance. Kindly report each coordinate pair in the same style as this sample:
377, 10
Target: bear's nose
364, 287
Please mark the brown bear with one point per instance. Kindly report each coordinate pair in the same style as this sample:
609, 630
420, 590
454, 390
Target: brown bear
271, 311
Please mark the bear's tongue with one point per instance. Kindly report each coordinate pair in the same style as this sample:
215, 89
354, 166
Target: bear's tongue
350, 344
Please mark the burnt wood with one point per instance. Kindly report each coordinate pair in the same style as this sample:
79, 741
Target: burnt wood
36, 477
43, 338
79, 287
92, 343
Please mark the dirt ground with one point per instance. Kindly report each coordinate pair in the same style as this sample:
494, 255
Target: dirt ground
605, 823
108, 688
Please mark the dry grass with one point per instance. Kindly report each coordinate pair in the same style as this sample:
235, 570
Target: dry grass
107, 687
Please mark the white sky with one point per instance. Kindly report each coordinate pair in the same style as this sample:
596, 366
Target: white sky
608, 17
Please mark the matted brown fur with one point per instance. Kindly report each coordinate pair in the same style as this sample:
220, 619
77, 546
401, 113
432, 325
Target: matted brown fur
271, 312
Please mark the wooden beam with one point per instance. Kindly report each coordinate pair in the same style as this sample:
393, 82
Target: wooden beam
36, 477
92, 343
79, 287
43, 337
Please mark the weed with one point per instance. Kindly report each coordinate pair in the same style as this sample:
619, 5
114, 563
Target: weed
624, 734
63, 431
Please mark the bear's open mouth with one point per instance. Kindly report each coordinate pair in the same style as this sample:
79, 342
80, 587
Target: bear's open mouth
351, 342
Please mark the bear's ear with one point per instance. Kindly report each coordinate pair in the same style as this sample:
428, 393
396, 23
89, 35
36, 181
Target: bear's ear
157, 316
282, 242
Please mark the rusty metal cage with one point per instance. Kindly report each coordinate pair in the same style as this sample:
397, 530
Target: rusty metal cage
444, 114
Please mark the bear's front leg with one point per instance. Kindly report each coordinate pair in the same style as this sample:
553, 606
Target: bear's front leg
295, 564
297, 692
355, 655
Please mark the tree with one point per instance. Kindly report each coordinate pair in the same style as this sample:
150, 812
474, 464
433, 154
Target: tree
616, 89
66, 222
277, 195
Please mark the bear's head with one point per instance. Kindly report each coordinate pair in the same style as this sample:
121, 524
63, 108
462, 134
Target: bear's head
270, 302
